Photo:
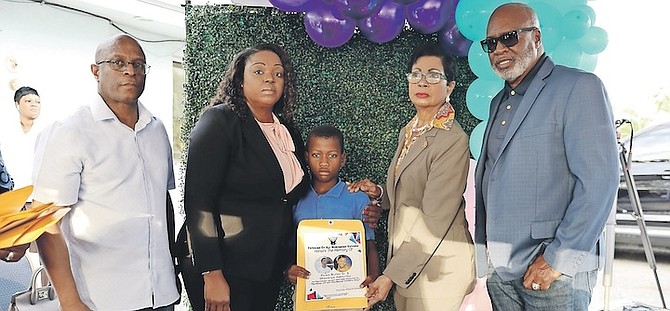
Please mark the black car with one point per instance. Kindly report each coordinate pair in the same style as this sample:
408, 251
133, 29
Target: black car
650, 169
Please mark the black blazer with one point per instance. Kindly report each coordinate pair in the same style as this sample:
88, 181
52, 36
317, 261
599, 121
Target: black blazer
238, 214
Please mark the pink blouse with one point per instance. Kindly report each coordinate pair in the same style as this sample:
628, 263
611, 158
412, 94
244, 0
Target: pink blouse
282, 144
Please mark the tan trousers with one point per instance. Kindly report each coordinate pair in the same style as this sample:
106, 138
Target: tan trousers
425, 304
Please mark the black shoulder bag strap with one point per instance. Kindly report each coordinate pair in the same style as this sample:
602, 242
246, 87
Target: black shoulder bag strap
172, 241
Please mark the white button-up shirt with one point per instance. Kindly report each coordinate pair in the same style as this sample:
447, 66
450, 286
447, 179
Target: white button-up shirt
116, 180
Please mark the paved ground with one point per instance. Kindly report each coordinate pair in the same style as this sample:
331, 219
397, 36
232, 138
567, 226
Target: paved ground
633, 281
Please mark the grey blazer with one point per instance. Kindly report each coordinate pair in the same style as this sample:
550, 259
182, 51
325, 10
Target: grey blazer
552, 186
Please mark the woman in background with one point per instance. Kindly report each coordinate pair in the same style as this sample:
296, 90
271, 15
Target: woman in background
18, 138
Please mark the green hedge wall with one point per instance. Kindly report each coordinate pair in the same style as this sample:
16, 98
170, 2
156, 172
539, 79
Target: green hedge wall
359, 87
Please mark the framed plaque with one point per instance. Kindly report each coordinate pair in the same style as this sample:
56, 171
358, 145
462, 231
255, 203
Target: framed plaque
333, 251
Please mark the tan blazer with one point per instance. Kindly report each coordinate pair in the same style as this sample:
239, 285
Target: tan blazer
424, 197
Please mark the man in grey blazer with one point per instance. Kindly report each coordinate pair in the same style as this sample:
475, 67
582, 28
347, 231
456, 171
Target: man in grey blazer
547, 175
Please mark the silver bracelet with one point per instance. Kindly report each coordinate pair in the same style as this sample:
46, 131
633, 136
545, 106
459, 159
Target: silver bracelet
381, 192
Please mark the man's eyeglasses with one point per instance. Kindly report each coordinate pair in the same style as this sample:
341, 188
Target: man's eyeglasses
431, 77
119, 65
508, 39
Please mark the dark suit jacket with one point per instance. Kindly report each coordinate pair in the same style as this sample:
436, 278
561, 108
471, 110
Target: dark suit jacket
238, 214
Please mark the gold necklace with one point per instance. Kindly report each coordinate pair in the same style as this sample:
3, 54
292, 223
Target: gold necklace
421, 128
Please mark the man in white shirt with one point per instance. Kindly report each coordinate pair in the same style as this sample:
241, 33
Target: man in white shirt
111, 162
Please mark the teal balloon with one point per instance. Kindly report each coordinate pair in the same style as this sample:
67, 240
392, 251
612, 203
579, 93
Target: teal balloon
588, 11
479, 62
479, 94
547, 14
575, 23
594, 40
476, 139
567, 53
472, 17
588, 62
552, 36
565, 6
550, 22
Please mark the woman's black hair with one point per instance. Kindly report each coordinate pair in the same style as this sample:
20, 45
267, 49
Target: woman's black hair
229, 92
23, 91
434, 49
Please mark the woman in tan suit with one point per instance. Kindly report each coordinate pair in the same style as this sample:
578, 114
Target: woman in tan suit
431, 254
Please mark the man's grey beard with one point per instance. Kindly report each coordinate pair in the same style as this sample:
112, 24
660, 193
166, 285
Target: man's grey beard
520, 65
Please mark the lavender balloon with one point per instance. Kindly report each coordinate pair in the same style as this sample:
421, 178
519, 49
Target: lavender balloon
429, 16
453, 41
356, 9
327, 30
292, 5
386, 24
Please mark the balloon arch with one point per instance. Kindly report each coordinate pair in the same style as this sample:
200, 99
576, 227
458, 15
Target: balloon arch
568, 34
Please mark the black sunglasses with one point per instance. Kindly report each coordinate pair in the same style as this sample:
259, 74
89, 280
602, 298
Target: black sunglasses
508, 39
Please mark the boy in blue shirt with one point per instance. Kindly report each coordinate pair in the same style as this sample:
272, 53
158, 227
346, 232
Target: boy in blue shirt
328, 198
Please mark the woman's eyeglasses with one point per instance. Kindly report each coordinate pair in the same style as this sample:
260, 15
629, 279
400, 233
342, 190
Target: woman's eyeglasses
508, 39
431, 77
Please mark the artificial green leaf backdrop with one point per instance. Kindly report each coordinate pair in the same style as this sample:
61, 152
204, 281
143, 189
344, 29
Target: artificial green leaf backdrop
359, 87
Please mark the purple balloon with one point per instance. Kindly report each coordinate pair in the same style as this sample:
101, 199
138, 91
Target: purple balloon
386, 24
356, 9
405, 1
451, 12
292, 5
453, 41
327, 30
429, 16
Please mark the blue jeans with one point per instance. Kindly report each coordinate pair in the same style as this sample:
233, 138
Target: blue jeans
565, 293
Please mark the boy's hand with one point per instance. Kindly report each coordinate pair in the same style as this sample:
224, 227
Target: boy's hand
295, 271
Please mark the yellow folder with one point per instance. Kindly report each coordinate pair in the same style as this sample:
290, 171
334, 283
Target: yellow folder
13, 201
333, 250
19, 227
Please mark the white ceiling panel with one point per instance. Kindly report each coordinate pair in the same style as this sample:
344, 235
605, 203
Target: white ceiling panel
164, 18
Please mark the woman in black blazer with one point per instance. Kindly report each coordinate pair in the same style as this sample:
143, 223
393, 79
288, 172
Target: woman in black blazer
245, 171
